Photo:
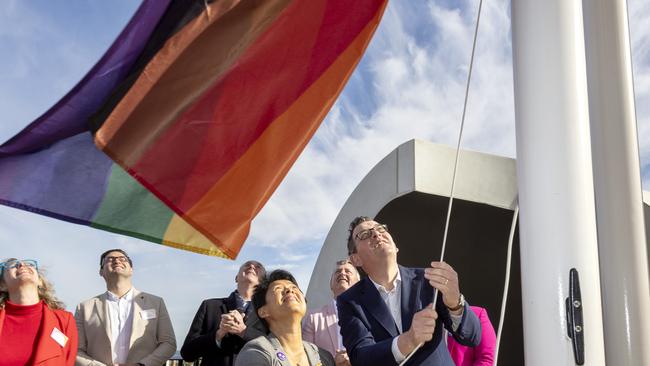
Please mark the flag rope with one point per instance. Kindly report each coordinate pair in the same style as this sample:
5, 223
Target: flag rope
506, 285
453, 180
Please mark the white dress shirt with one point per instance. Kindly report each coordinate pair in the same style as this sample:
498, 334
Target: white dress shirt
393, 300
120, 314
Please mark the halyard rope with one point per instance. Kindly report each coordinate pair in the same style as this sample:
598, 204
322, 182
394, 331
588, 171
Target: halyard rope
453, 181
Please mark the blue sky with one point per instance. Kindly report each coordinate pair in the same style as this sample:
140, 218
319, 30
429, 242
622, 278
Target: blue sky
410, 84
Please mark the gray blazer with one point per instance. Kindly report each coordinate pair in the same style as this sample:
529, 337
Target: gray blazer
267, 351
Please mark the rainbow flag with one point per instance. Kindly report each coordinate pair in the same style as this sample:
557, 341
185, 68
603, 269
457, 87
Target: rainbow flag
188, 123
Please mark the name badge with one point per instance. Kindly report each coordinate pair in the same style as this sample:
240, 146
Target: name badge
59, 337
148, 314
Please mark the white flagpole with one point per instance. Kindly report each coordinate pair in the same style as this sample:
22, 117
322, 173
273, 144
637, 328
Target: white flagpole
617, 183
556, 197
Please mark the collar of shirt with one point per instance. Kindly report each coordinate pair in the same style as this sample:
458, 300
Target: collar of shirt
336, 310
128, 296
241, 303
382, 290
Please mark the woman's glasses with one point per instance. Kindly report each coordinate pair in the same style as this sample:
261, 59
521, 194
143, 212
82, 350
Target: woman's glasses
15, 263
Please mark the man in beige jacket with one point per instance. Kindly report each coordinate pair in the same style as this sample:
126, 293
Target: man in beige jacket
123, 326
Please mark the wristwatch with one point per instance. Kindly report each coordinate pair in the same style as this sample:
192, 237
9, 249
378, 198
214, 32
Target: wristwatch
461, 304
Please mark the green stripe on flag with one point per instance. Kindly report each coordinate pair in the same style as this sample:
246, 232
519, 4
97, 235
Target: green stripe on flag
128, 208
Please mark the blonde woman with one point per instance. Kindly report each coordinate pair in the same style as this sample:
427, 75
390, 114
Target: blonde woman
34, 328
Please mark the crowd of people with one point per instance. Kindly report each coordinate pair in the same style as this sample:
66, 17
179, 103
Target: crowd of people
376, 319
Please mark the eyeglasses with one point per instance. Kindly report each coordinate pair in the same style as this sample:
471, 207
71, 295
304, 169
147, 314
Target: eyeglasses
367, 233
120, 259
19, 263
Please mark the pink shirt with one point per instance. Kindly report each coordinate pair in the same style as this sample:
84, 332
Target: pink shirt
481, 355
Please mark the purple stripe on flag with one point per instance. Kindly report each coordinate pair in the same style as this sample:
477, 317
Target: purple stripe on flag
69, 116
66, 180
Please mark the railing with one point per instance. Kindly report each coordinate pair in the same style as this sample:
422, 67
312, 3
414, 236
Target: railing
177, 360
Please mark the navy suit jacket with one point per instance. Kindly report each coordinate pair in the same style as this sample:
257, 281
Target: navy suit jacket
368, 328
200, 340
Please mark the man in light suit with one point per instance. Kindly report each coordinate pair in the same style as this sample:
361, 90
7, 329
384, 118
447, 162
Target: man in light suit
321, 326
123, 326
385, 316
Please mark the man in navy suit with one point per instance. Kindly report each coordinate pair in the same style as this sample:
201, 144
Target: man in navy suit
222, 326
387, 314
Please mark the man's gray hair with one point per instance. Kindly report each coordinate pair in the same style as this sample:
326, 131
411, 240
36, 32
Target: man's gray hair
344, 262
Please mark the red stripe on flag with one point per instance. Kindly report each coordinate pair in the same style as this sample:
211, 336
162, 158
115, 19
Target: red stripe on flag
225, 212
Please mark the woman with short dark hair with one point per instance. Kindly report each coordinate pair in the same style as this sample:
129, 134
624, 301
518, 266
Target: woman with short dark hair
280, 304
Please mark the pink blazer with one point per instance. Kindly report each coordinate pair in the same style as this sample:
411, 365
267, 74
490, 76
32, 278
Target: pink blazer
320, 328
481, 355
